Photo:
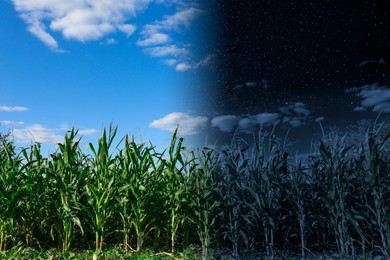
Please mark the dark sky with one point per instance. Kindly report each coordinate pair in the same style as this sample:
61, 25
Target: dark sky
295, 63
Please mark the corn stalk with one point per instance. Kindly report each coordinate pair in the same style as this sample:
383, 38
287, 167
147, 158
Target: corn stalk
100, 189
67, 173
135, 193
10, 191
206, 204
175, 167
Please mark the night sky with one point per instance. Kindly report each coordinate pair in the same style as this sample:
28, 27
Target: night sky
294, 64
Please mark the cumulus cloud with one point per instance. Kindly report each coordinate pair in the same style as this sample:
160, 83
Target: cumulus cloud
88, 131
12, 109
154, 39
80, 20
157, 41
36, 133
186, 65
188, 124
294, 115
181, 18
267, 119
183, 66
85, 20
381, 61
374, 97
10, 123
41, 134
263, 84
168, 50
225, 123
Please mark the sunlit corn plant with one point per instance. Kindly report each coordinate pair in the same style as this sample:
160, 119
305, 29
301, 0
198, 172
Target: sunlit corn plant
101, 190
67, 175
10, 190
175, 167
31, 209
135, 192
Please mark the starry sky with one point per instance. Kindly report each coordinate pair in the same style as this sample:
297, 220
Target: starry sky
293, 64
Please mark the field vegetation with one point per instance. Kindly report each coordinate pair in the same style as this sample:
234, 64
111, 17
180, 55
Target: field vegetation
245, 200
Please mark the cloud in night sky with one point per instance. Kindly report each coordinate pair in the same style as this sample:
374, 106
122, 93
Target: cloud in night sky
188, 124
264, 84
225, 123
381, 61
374, 97
294, 115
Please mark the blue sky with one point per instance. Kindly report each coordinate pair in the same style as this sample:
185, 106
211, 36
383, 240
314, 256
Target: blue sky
135, 63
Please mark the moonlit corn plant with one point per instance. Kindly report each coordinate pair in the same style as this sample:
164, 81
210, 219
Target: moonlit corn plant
236, 221
376, 169
333, 176
267, 178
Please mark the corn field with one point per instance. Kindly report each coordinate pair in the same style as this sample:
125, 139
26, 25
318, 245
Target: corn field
243, 199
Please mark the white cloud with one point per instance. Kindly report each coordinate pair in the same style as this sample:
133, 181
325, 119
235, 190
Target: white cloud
188, 124
171, 62
154, 39
12, 109
109, 41
88, 131
168, 50
41, 134
81, 20
225, 123
37, 133
128, 29
9, 123
158, 42
186, 65
183, 66
174, 22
